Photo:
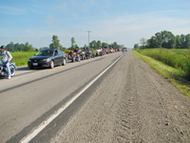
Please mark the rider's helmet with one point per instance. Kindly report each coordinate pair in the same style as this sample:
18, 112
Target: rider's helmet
3, 47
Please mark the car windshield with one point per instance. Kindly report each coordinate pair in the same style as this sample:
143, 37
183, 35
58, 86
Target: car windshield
45, 53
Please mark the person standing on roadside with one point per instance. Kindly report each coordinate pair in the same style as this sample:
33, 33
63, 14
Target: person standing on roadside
6, 58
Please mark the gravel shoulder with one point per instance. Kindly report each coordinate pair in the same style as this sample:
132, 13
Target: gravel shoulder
133, 104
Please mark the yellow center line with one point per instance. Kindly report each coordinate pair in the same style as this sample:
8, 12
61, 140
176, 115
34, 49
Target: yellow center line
56, 68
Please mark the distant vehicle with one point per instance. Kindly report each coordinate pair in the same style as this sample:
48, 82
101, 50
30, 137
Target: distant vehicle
107, 50
99, 52
47, 58
89, 53
124, 49
82, 54
111, 50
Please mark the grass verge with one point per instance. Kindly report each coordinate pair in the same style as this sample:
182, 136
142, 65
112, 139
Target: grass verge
21, 58
175, 76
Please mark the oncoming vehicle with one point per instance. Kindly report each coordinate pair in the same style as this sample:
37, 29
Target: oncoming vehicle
47, 58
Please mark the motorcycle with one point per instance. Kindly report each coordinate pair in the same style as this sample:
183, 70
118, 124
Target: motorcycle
75, 57
82, 55
99, 52
3, 69
89, 54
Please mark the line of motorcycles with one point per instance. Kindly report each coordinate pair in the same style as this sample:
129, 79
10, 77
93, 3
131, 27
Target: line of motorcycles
80, 55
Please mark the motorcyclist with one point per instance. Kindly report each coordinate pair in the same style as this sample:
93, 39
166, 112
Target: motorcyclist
78, 54
70, 54
6, 58
123, 50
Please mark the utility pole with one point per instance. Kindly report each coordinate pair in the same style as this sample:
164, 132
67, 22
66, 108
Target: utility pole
88, 37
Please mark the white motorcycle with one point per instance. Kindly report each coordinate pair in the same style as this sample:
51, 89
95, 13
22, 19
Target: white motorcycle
3, 69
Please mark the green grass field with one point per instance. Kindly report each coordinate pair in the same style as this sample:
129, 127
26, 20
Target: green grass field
21, 58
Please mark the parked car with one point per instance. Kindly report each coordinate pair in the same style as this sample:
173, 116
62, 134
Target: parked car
47, 58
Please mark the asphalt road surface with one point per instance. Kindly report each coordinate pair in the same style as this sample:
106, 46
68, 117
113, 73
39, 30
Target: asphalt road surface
129, 103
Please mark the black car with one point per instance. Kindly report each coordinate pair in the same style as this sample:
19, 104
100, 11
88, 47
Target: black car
47, 58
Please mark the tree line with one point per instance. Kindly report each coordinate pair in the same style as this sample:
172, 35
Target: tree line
165, 39
96, 44
56, 44
19, 47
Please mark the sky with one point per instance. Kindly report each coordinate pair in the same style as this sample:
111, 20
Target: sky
121, 21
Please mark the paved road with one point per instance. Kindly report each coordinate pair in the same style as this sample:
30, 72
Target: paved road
133, 104
130, 103
33, 95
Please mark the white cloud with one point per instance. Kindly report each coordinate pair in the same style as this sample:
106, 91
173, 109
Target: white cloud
129, 29
70, 19
11, 10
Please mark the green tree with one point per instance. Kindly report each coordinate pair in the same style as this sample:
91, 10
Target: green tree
99, 44
28, 47
143, 42
169, 40
104, 44
187, 41
159, 39
115, 45
73, 42
10, 47
152, 43
21, 47
136, 46
55, 42
93, 44
166, 39
178, 42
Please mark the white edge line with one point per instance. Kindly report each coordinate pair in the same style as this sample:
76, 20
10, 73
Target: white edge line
36, 131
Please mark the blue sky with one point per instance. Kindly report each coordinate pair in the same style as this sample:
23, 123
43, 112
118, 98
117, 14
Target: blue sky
121, 21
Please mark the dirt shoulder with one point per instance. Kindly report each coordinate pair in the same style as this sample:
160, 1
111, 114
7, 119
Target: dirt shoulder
133, 104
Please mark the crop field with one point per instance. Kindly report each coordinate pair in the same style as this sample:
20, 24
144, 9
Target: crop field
177, 58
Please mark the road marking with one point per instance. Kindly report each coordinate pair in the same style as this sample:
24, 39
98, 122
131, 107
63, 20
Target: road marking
56, 68
39, 128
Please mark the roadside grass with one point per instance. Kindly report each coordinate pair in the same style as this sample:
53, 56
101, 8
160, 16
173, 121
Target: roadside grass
176, 76
176, 58
21, 58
